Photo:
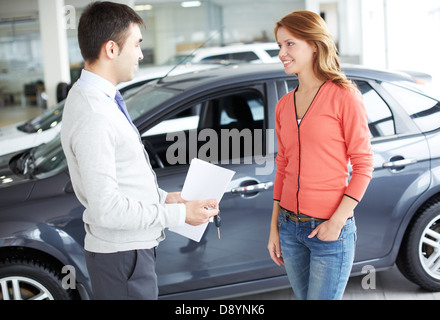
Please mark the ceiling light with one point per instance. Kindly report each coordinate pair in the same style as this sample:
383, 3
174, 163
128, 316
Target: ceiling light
190, 4
143, 7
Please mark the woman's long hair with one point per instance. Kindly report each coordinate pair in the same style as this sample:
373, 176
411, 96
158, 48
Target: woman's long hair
309, 26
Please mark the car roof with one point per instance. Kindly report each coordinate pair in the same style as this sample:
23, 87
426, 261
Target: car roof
251, 72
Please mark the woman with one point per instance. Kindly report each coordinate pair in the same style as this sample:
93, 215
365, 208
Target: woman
321, 127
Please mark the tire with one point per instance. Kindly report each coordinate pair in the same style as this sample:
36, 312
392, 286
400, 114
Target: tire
26, 279
419, 256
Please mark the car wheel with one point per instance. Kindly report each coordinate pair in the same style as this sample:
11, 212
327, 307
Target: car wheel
30, 280
419, 256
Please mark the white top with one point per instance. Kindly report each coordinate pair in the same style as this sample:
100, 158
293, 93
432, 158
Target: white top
111, 173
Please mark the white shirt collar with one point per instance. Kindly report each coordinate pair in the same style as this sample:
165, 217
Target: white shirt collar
92, 80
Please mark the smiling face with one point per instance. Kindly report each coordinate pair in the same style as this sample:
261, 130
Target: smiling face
296, 55
127, 59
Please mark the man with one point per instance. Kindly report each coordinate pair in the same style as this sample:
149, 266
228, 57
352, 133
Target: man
126, 212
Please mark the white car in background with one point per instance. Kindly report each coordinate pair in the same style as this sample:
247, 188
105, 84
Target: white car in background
265, 52
45, 127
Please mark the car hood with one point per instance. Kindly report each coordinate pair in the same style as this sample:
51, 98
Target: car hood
12, 139
10, 131
5, 131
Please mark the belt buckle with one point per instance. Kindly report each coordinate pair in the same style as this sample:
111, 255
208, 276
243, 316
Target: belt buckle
292, 215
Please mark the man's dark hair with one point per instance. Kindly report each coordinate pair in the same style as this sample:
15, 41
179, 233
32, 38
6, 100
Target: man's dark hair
102, 22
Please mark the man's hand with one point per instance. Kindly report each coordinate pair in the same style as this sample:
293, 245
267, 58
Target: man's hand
174, 197
199, 211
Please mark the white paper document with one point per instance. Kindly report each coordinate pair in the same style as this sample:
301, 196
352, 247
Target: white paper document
203, 181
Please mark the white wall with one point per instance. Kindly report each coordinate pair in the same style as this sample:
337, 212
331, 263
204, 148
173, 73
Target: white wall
414, 35
248, 22
343, 18
402, 35
395, 34
373, 34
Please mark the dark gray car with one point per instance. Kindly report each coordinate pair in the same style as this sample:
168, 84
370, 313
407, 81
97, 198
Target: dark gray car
226, 116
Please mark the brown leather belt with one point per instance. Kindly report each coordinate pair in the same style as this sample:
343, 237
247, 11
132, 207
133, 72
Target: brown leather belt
298, 217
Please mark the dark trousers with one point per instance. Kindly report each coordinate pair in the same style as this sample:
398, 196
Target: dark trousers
125, 275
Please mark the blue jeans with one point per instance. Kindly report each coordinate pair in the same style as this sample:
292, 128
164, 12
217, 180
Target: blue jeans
317, 270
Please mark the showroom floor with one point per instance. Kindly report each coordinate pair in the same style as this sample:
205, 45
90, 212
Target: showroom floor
13, 114
389, 284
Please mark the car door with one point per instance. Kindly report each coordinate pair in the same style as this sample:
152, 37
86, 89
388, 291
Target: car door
401, 174
228, 128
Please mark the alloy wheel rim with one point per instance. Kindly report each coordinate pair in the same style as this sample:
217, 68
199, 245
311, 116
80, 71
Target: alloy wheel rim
429, 248
23, 288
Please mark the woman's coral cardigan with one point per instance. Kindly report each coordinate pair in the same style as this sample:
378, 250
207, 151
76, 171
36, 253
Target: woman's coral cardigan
313, 156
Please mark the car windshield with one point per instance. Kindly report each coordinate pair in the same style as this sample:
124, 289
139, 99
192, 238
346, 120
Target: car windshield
48, 119
147, 99
49, 159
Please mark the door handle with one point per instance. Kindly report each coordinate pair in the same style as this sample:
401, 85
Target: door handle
398, 163
252, 188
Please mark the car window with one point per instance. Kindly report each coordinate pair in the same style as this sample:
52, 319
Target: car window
253, 102
204, 128
380, 118
243, 56
183, 121
291, 84
423, 110
273, 52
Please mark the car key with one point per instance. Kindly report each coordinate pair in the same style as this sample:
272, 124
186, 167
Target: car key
218, 222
